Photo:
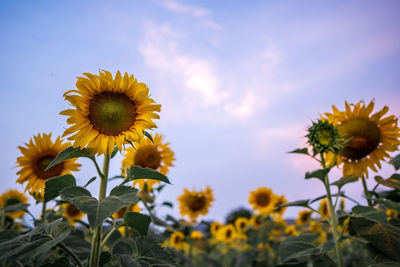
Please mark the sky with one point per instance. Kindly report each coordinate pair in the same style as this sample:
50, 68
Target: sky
239, 82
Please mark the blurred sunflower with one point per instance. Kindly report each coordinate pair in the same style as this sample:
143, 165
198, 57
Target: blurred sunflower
291, 230
71, 212
303, 217
194, 204
280, 200
196, 235
241, 224
263, 200
371, 137
108, 111
157, 156
324, 209
256, 221
12, 197
226, 233
176, 240
120, 214
214, 227
36, 156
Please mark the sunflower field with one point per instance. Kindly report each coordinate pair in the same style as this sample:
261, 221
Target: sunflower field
112, 114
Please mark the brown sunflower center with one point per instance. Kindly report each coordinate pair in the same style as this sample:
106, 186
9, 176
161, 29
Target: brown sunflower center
72, 211
112, 113
242, 225
148, 157
228, 233
12, 201
263, 199
177, 239
196, 203
365, 137
325, 209
304, 217
42, 163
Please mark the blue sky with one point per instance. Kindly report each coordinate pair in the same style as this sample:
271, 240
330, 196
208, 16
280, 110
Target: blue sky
239, 81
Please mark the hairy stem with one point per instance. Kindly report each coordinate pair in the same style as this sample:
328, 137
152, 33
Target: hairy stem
366, 192
43, 212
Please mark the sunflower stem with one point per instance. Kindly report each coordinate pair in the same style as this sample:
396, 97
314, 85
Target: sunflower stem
95, 250
44, 211
71, 253
366, 192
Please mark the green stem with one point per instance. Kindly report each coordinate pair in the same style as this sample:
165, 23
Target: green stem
71, 253
366, 192
95, 250
103, 243
44, 212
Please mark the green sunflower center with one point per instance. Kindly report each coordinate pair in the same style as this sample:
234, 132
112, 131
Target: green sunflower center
42, 163
12, 201
196, 203
263, 199
112, 113
72, 211
148, 157
365, 137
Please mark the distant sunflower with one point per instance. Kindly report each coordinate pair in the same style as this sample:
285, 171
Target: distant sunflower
71, 212
303, 217
120, 214
241, 224
280, 200
227, 233
176, 240
214, 227
324, 209
157, 156
36, 156
197, 235
371, 137
108, 111
291, 230
256, 221
194, 204
263, 200
12, 197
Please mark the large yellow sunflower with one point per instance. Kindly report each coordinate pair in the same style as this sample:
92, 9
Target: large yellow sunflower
108, 111
303, 217
371, 137
176, 240
36, 155
194, 204
12, 197
214, 227
157, 156
227, 233
263, 200
71, 212
241, 224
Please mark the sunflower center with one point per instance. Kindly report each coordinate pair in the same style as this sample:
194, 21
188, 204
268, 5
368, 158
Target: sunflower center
148, 157
177, 239
12, 201
263, 199
228, 233
196, 203
42, 163
242, 225
112, 113
72, 211
365, 137
305, 217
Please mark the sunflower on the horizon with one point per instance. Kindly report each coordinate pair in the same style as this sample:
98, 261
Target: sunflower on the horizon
13, 197
195, 203
263, 200
108, 111
36, 156
370, 137
157, 156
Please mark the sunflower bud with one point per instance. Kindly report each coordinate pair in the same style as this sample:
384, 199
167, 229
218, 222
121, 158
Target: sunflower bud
324, 137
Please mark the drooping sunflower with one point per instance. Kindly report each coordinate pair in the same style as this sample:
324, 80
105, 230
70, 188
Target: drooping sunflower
371, 137
71, 212
120, 214
176, 240
241, 224
263, 200
36, 156
195, 203
12, 197
214, 227
157, 156
227, 233
324, 209
108, 111
303, 217
280, 201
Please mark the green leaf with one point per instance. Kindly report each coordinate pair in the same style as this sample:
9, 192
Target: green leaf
370, 213
90, 181
105, 257
115, 151
299, 203
137, 221
148, 136
167, 203
70, 153
319, 174
388, 203
396, 162
54, 185
60, 262
300, 151
136, 172
15, 207
392, 182
345, 180
297, 247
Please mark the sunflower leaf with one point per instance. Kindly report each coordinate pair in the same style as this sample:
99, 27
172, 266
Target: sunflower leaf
136, 172
148, 136
388, 203
295, 247
90, 181
15, 207
300, 151
137, 221
115, 151
54, 185
319, 174
396, 162
392, 182
345, 180
299, 203
69, 153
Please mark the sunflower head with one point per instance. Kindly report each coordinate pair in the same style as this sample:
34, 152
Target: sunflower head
176, 240
370, 137
324, 209
108, 111
71, 212
36, 156
324, 137
263, 200
303, 217
291, 230
195, 203
315, 227
196, 235
120, 214
227, 233
214, 227
12, 197
241, 224
280, 200
146, 154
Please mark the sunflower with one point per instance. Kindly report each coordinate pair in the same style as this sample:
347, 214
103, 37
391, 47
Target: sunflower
256, 221
108, 111
214, 227
12, 197
370, 137
71, 212
324, 209
36, 155
120, 214
196, 235
241, 224
291, 230
227, 233
263, 200
280, 201
176, 240
157, 156
193, 203
303, 217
